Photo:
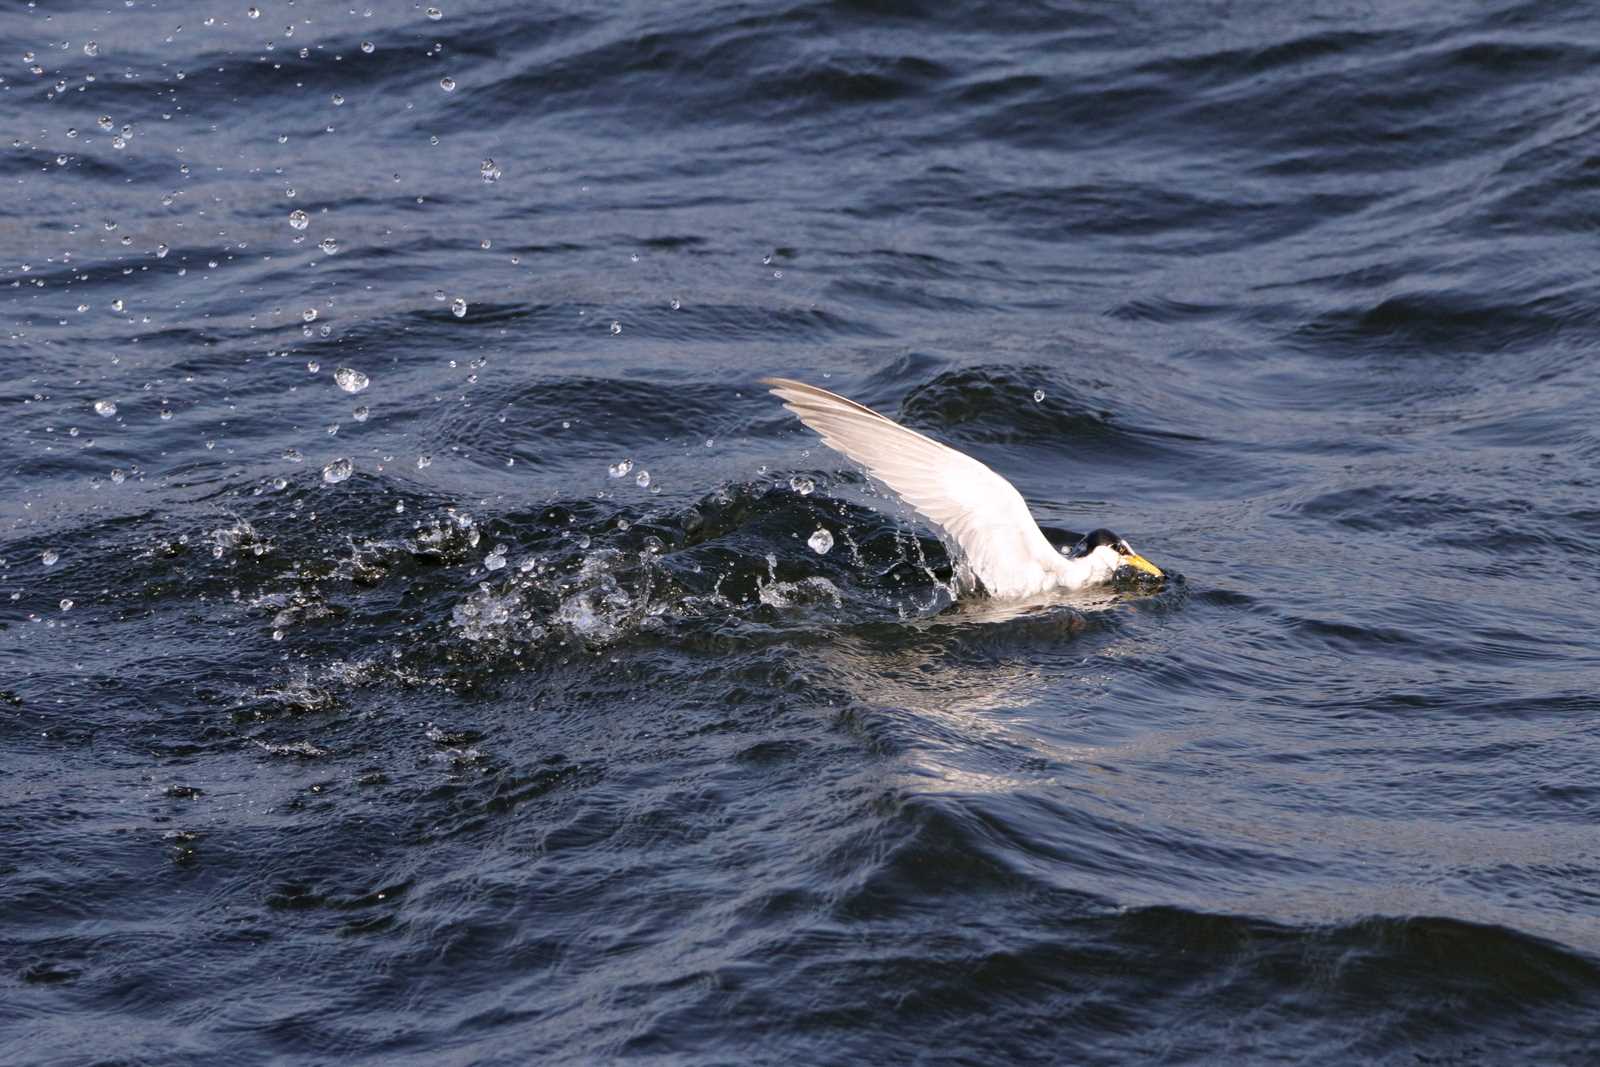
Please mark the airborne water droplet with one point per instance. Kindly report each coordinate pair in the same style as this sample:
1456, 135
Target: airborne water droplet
351, 380
298, 219
368, 47
329, 246
1038, 396
49, 557
820, 541
618, 470
309, 314
458, 308
643, 480
435, 14
447, 83
803, 486
337, 471
106, 408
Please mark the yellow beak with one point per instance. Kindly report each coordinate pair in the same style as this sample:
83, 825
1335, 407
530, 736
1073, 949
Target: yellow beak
1139, 563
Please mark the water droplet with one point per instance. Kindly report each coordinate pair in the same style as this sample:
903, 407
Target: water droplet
368, 47
643, 480
424, 462
117, 305
338, 99
351, 380
313, 367
166, 415
399, 507
161, 251
1038, 396
361, 413
447, 83
820, 541
458, 308
106, 408
298, 219
617, 470
293, 455
801, 485
118, 476
277, 635
49, 557
105, 122
484, 244
91, 48
280, 484
66, 603
435, 14
676, 304
254, 13
616, 328
329, 246
337, 471
309, 314
494, 561
488, 170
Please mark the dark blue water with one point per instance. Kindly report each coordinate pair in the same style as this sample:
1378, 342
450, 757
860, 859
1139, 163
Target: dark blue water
480, 754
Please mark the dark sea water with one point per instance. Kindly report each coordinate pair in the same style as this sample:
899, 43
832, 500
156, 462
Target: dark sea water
483, 755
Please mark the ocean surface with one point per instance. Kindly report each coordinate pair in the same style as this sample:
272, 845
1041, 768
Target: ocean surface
414, 647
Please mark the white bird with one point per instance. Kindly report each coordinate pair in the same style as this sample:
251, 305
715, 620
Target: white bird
1001, 544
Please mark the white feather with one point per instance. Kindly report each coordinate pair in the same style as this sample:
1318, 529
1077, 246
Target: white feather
972, 505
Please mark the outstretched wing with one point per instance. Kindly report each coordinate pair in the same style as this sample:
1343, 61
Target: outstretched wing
981, 511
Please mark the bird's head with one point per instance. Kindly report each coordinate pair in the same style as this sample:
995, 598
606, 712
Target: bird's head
1106, 554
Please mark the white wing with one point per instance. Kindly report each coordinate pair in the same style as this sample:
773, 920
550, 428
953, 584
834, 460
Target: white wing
981, 511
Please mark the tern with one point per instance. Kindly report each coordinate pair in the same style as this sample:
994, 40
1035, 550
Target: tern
1000, 543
